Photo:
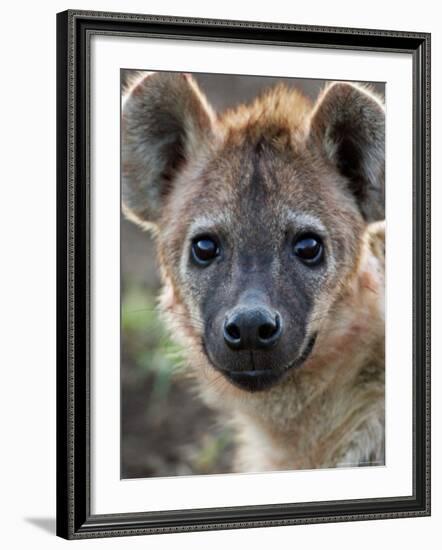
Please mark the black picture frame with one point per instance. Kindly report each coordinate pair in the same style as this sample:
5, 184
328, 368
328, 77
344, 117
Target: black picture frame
74, 518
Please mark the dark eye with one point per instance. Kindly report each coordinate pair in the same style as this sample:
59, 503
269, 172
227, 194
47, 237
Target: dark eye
309, 249
204, 250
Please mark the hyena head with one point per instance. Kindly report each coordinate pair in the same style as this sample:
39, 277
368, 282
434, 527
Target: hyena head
259, 214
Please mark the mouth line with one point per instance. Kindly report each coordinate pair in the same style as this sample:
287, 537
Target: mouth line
262, 379
305, 353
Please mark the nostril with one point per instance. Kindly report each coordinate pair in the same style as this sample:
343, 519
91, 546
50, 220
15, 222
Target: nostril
267, 331
233, 335
233, 331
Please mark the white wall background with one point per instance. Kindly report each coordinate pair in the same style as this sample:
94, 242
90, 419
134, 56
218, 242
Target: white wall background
27, 305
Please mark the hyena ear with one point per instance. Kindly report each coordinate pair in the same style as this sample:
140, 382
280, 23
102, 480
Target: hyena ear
165, 121
376, 239
348, 123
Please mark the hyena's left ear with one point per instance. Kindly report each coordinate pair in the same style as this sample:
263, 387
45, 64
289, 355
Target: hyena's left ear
165, 121
348, 123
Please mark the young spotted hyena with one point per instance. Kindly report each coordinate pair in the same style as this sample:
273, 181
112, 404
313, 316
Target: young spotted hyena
268, 221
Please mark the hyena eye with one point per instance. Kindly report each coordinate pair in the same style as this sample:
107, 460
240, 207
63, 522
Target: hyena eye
204, 250
308, 247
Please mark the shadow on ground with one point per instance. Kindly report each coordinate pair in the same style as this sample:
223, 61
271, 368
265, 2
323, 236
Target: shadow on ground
45, 524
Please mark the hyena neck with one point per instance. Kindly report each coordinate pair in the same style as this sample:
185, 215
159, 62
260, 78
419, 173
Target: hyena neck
329, 411
316, 419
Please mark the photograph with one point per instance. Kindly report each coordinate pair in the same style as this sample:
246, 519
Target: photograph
252, 274
243, 263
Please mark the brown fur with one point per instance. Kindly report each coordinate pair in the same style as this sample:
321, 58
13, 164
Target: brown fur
246, 175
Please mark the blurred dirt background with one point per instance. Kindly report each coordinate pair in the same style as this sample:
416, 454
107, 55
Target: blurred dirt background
165, 429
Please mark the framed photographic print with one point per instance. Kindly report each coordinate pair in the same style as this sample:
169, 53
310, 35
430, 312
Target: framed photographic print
243, 274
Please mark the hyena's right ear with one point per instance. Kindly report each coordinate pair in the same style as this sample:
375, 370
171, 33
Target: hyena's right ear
165, 121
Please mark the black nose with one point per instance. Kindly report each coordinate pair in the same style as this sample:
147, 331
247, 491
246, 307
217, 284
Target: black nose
252, 328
